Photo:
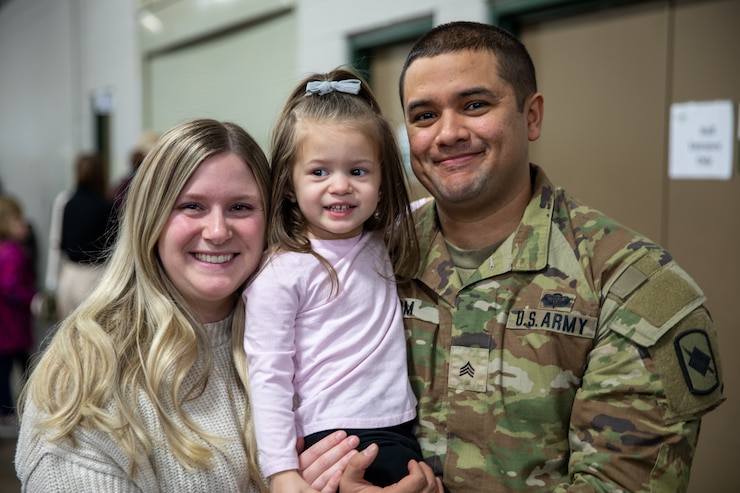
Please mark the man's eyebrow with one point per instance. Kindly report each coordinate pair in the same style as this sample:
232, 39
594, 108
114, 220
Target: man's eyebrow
476, 91
472, 91
417, 104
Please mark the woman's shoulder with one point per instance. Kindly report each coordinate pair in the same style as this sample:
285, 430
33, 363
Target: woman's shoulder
39, 455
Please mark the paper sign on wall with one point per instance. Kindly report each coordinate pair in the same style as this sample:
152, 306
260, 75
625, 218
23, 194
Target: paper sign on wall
701, 140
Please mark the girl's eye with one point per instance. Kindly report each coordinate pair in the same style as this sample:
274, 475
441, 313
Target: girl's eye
319, 172
358, 172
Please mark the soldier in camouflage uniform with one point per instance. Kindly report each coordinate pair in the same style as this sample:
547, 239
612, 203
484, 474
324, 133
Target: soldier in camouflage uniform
551, 348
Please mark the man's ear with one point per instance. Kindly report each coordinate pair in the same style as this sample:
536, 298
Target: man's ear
534, 108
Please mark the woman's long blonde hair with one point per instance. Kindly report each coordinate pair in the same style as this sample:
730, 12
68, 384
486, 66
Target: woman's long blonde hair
135, 334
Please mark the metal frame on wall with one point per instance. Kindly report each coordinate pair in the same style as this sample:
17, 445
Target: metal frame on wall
509, 14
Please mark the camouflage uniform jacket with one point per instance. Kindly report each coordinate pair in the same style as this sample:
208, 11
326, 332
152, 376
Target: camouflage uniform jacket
578, 357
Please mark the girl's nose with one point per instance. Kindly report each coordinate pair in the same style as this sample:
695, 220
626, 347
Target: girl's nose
340, 184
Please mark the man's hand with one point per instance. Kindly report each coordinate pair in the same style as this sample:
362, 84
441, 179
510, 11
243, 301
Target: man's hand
421, 479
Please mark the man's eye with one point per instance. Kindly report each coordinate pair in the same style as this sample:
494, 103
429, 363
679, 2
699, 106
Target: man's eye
423, 116
476, 105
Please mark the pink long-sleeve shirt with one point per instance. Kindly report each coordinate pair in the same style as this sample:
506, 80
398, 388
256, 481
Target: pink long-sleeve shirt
320, 360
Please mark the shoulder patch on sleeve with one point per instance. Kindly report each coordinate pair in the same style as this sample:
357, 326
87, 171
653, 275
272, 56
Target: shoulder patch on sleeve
656, 299
687, 359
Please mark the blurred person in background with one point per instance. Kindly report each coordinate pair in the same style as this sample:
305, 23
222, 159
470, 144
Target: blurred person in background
17, 291
119, 191
83, 235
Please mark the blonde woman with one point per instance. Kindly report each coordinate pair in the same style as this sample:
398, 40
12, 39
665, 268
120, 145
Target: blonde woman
138, 390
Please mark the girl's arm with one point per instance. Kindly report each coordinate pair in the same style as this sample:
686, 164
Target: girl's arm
269, 342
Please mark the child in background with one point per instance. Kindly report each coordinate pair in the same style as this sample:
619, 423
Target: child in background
17, 290
324, 334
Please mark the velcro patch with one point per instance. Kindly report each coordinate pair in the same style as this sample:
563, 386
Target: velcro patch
687, 359
656, 305
631, 279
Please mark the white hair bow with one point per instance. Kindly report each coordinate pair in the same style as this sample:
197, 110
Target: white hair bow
321, 87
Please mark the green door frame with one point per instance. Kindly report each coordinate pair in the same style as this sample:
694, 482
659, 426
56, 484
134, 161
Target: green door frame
512, 15
361, 46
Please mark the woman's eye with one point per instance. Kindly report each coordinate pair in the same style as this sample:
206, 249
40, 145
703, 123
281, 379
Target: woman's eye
243, 207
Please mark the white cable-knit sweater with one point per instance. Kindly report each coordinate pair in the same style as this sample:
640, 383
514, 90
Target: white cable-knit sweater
98, 464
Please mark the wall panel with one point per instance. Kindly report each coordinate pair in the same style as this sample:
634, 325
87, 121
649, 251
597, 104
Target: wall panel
243, 76
702, 221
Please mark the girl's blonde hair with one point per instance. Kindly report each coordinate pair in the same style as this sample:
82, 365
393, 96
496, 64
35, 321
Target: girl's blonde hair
135, 334
287, 226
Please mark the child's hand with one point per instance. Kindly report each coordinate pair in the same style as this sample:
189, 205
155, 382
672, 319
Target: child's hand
289, 482
421, 478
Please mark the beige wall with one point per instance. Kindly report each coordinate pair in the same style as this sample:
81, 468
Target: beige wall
703, 227
609, 79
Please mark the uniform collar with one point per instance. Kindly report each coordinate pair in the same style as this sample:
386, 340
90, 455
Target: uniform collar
526, 249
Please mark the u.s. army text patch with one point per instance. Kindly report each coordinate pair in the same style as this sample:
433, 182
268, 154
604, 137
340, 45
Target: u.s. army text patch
573, 323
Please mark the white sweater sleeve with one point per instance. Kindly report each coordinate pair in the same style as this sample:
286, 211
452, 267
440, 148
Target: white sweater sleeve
59, 474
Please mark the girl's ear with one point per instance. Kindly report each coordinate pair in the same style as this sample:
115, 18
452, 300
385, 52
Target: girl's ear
290, 194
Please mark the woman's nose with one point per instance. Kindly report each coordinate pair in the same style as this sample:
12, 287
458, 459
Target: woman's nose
216, 228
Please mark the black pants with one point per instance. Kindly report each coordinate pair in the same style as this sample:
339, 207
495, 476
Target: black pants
7, 361
396, 445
